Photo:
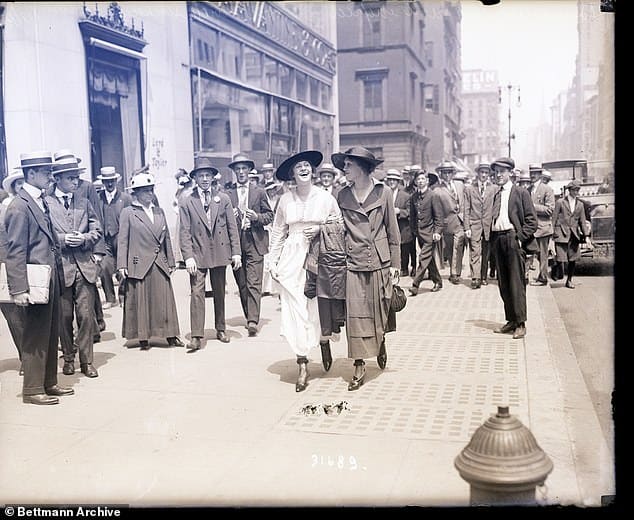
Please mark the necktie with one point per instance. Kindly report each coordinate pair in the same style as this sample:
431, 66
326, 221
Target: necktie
44, 203
481, 190
66, 204
497, 204
207, 200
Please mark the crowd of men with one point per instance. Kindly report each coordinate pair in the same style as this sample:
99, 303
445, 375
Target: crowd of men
52, 217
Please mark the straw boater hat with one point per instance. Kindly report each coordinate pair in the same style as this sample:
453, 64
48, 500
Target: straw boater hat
267, 166
546, 174
535, 167
356, 152
284, 170
35, 160
66, 164
205, 162
108, 173
65, 154
393, 173
446, 166
7, 183
241, 158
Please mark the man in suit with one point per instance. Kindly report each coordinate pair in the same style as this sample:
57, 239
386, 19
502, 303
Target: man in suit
426, 223
513, 225
394, 180
268, 174
79, 233
543, 198
111, 202
252, 212
326, 173
452, 197
478, 213
209, 241
31, 240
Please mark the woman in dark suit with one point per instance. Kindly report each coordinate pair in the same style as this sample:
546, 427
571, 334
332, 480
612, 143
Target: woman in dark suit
373, 246
146, 261
569, 229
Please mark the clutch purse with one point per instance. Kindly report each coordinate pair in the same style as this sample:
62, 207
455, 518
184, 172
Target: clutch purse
39, 277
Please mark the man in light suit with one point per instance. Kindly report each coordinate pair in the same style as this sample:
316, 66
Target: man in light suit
209, 241
79, 233
513, 225
31, 240
252, 212
452, 197
543, 198
478, 213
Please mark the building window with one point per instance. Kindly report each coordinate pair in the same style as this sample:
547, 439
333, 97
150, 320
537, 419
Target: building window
301, 85
421, 40
314, 91
286, 80
373, 100
253, 66
371, 27
271, 79
325, 96
431, 98
429, 53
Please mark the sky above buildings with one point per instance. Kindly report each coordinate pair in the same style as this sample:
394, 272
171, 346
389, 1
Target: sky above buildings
532, 44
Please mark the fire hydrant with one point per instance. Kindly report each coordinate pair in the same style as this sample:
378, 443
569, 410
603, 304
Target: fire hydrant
503, 462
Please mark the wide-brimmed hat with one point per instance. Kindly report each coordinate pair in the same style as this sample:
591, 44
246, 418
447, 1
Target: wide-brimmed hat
482, 166
7, 182
446, 166
35, 159
573, 185
327, 168
504, 162
65, 153
204, 162
108, 173
284, 170
141, 180
535, 167
356, 152
66, 164
241, 158
393, 173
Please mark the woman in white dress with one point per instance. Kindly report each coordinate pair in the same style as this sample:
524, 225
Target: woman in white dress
299, 214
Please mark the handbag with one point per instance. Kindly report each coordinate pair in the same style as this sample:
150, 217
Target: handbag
399, 299
39, 277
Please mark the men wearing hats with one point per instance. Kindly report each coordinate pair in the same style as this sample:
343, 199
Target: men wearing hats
31, 240
394, 179
569, 230
426, 220
543, 198
478, 213
452, 197
111, 202
513, 225
79, 233
252, 212
326, 173
268, 172
209, 241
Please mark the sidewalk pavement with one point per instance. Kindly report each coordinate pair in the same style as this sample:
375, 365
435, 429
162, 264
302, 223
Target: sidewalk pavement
223, 426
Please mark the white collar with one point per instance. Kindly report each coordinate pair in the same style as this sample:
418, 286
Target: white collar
34, 191
59, 194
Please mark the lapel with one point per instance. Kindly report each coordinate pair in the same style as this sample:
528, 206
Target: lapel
37, 213
58, 213
213, 211
198, 207
77, 206
140, 214
374, 199
513, 200
251, 197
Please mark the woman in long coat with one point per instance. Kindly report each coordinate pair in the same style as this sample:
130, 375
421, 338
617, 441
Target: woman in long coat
373, 257
569, 229
299, 215
146, 261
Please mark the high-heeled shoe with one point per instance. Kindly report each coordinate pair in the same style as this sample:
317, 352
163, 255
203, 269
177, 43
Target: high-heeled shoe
357, 380
326, 355
302, 378
381, 359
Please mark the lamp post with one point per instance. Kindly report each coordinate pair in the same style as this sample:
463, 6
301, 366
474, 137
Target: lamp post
510, 89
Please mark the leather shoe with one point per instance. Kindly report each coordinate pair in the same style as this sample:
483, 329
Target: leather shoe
69, 368
96, 338
413, 291
326, 355
40, 399
88, 370
484, 281
454, 279
144, 344
302, 378
222, 336
569, 284
539, 282
57, 390
253, 329
519, 332
194, 345
381, 359
506, 329
357, 380
175, 341
436, 287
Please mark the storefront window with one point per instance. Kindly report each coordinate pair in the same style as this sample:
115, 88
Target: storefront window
314, 92
286, 80
302, 84
253, 66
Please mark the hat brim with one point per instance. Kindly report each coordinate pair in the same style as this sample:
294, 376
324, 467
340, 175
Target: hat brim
34, 165
504, 165
244, 161
7, 182
115, 178
66, 170
339, 158
284, 170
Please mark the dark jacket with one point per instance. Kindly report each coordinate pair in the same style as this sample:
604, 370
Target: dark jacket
522, 216
426, 214
259, 203
404, 226
568, 224
326, 263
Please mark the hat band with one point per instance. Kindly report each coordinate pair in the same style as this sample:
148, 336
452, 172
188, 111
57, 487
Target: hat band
65, 167
38, 161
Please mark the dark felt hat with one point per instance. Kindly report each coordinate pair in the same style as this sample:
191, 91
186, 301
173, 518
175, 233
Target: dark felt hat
356, 152
203, 162
241, 158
